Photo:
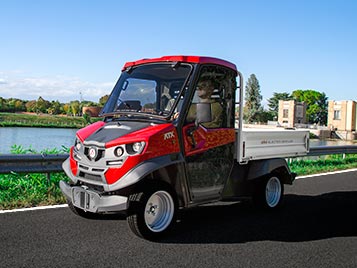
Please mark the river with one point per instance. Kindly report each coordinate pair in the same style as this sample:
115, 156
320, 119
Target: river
50, 138
36, 138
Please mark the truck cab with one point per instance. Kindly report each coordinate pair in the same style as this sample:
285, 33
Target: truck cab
171, 139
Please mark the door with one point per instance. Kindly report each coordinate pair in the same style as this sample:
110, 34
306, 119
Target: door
209, 145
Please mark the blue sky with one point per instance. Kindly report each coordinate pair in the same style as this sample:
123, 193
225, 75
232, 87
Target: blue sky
61, 49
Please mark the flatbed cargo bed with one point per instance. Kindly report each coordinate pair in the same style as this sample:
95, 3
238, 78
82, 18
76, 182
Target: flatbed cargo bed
255, 144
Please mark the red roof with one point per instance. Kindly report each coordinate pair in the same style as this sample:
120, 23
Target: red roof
189, 59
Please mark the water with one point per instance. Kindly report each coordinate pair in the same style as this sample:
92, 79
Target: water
36, 138
314, 142
49, 138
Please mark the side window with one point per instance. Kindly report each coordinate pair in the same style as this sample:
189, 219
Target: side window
215, 86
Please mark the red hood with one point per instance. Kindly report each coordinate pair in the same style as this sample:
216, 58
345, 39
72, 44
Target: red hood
85, 132
140, 135
114, 133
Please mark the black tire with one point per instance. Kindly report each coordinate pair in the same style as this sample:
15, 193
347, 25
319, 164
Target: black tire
269, 192
152, 212
81, 212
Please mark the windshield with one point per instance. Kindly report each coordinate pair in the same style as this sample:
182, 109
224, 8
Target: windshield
150, 89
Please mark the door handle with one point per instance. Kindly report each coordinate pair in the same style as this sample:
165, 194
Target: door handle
190, 132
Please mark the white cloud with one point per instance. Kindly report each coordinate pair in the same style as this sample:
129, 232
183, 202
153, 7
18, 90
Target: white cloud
60, 88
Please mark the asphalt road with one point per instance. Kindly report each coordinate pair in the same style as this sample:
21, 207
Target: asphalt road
317, 227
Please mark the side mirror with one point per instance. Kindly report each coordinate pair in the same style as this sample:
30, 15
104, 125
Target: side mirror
203, 113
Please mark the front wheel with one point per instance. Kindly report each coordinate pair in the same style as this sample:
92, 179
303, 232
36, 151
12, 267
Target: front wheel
151, 213
269, 192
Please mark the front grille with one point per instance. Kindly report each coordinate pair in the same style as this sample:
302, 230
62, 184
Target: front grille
94, 187
91, 177
98, 169
83, 167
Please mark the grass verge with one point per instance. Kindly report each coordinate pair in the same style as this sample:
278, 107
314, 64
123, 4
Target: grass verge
43, 120
328, 163
30, 190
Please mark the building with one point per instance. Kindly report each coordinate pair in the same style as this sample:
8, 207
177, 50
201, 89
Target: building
342, 118
291, 113
92, 111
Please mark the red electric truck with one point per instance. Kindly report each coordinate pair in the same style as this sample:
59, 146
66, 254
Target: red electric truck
161, 147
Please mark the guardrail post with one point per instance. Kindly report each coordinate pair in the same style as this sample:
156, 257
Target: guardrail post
48, 175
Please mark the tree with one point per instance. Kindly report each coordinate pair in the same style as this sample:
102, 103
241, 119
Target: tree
103, 100
19, 105
273, 102
264, 116
15, 105
2, 104
55, 108
88, 103
322, 113
75, 107
253, 100
316, 105
42, 105
31, 106
66, 109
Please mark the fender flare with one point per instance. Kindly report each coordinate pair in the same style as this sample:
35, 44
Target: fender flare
260, 168
144, 169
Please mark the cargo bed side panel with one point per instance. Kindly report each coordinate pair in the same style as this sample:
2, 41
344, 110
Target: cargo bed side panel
263, 144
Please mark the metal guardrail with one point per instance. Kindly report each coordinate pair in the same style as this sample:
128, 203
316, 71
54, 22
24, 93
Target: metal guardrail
34, 163
337, 149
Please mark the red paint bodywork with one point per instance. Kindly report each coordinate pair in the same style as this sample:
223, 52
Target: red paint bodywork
73, 163
161, 139
85, 132
157, 144
207, 139
181, 58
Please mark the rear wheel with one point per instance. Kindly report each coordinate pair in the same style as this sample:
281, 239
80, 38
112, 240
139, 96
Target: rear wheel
269, 192
151, 213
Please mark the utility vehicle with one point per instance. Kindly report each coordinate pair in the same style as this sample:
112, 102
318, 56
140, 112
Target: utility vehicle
156, 151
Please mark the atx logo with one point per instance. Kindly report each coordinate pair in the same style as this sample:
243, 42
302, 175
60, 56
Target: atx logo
169, 135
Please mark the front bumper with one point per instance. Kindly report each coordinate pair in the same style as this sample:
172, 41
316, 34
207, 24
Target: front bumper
92, 201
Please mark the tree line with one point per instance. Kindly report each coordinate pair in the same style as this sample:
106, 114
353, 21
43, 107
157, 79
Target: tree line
316, 103
47, 107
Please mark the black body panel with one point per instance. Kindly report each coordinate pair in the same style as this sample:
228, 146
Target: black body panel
116, 129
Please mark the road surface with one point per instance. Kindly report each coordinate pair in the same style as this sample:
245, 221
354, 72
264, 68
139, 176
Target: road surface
317, 227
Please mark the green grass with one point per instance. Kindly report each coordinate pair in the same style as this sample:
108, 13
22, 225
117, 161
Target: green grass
30, 190
33, 189
19, 149
32, 120
323, 164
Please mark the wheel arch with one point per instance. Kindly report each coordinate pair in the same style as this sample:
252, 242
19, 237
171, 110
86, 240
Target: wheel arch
167, 169
276, 166
167, 177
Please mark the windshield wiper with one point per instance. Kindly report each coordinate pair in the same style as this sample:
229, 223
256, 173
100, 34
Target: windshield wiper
127, 105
